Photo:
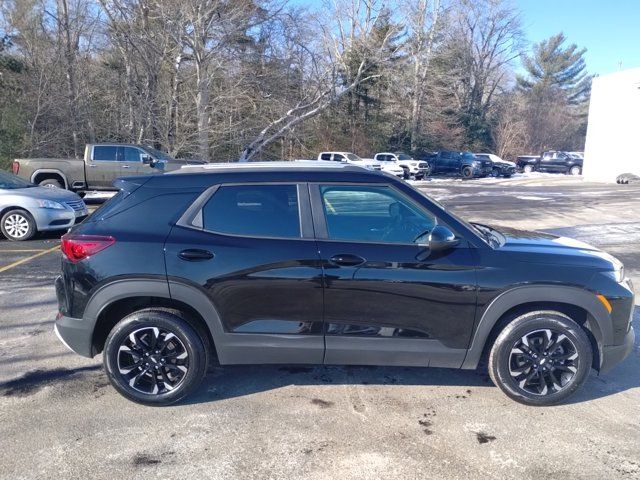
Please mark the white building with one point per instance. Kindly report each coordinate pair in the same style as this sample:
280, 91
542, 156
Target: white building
613, 133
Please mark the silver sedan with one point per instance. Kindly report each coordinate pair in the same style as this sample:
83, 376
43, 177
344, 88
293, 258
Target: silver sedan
26, 209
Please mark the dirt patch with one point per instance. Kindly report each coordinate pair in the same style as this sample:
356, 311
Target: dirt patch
322, 403
484, 437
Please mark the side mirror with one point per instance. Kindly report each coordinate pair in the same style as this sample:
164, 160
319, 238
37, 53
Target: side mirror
437, 240
147, 160
441, 238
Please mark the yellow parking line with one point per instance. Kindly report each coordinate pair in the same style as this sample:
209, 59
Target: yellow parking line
24, 260
18, 250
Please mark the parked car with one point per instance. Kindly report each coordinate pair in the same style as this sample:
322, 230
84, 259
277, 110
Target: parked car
527, 163
459, 163
348, 157
412, 167
501, 168
560, 162
26, 209
102, 164
552, 162
311, 263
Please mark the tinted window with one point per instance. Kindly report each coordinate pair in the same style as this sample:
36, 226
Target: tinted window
254, 210
325, 156
132, 154
373, 214
337, 157
108, 153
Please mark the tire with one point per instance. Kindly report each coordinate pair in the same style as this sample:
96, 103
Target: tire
527, 168
406, 175
18, 225
519, 375
575, 170
467, 173
495, 172
51, 183
158, 378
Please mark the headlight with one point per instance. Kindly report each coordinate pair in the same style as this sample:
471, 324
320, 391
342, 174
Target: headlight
616, 275
51, 204
414, 164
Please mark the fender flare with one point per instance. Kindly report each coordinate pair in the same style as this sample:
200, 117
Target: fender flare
50, 170
598, 320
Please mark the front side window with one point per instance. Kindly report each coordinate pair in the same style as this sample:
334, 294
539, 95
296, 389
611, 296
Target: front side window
338, 157
254, 210
404, 156
373, 214
132, 154
105, 153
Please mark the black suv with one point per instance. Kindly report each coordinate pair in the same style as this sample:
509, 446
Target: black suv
311, 264
465, 164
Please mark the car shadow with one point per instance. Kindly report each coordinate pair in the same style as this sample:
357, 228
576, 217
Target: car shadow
240, 380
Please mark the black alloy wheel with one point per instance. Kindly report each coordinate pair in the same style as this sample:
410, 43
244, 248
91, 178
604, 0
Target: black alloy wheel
540, 358
155, 357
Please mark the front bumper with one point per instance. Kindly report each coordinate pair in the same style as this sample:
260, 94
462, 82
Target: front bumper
52, 219
614, 354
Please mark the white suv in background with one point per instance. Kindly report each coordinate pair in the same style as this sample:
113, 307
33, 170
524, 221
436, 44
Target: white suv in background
411, 167
348, 157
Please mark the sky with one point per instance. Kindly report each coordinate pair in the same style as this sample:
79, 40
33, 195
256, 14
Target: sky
608, 29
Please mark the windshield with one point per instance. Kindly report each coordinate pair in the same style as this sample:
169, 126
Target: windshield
157, 154
353, 157
11, 182
404, 156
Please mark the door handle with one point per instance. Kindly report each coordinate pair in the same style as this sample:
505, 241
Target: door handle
92, 165
347, 260
126, 166
195, 255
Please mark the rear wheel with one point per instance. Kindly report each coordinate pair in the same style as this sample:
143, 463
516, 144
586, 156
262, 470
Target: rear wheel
18, 225
155, 357
540, 358
575, 170
50, 183
406, 174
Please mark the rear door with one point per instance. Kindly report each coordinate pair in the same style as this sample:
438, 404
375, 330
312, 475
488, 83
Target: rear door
103, 166
387, 301
250, 248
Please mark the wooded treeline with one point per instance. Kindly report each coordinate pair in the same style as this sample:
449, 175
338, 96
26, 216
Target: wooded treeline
224, 80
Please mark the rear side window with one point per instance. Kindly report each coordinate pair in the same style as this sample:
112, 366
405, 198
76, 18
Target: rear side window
107, 153
325, 156
254, 210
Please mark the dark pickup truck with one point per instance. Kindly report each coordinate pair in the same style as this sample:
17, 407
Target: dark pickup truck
101, 165
465, 164
552, 162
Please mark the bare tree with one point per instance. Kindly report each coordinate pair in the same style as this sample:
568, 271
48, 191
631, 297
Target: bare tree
348, 35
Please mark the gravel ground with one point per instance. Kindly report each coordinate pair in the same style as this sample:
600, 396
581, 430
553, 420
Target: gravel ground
61, 419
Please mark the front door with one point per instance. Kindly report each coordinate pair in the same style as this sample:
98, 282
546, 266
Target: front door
103, 167
387, 300
252, 252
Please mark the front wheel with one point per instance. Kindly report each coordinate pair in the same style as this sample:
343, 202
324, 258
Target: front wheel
406, 173
18, 225
467, 173
540, 358
575, 170
50, 183
527, 169
155, 357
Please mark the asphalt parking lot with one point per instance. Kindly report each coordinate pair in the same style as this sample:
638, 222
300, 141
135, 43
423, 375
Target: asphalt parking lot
59, 418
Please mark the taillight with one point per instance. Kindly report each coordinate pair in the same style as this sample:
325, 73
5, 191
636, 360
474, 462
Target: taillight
15, 167
79, 247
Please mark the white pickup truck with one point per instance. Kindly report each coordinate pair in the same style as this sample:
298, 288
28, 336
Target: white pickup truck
411, 167
348, 157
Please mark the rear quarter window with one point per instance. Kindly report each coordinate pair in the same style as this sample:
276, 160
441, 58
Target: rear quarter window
254, 210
